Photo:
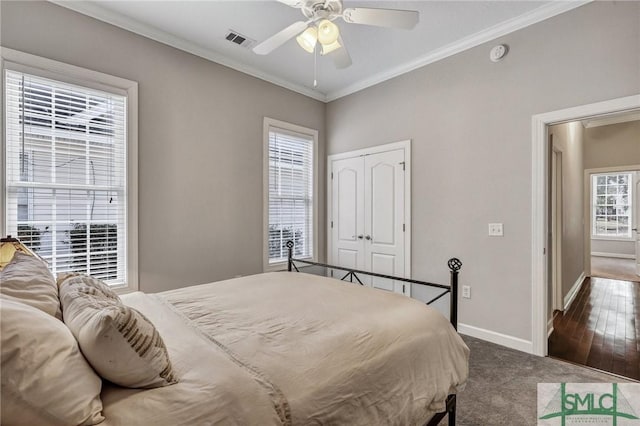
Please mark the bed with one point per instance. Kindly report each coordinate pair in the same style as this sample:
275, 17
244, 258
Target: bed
292, 348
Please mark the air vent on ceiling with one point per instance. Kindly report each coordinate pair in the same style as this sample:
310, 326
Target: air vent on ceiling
239, 39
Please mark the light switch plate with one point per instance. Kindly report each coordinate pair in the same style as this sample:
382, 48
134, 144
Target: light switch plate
496, 230
466, 292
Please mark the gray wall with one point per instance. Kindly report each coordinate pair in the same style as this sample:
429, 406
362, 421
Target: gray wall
569, 138
470, 122
612, 146
200, 142
626, 248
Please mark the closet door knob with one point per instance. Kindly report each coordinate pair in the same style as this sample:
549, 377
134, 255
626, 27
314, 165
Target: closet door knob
368, 237
360, 236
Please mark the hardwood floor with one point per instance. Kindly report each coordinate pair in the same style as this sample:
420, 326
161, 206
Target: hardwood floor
601, 329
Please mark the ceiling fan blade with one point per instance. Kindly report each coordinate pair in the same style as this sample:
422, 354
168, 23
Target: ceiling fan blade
392, 18
341, 57
280, 38
293, 3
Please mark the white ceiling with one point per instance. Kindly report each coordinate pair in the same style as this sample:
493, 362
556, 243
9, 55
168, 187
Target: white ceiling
445, 28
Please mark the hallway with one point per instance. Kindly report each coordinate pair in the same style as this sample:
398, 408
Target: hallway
601, 328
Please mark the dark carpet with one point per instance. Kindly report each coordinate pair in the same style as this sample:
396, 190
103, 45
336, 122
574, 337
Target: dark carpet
502, 385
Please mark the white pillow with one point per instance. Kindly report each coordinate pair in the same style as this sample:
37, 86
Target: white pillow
45, 378
121, 344
27, 279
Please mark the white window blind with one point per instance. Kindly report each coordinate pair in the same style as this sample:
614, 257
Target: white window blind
612, 205
290, 194
66, 174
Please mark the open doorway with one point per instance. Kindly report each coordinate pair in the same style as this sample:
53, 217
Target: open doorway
540, 124
594, 247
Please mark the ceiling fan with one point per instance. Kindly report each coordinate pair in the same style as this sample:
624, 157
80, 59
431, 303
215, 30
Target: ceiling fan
320, 28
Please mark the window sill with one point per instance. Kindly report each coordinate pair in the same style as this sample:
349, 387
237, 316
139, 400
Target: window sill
282, 266
612, 238
126, 288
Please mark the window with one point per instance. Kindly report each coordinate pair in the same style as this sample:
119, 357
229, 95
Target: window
611, 194
290, 187
66, 181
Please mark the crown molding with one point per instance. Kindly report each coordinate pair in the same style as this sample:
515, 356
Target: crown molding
91, 9
539, 14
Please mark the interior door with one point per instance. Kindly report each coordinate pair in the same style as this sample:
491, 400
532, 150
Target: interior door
556, 230
384, 203
348, 213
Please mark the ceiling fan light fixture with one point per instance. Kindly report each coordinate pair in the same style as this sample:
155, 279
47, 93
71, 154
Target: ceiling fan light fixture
328, 48
308, 39
328, 32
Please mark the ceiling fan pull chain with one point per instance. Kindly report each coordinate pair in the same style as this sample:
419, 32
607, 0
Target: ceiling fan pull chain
315, 67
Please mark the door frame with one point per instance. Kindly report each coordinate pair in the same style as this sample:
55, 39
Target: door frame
404, 145
539, 199
636, 219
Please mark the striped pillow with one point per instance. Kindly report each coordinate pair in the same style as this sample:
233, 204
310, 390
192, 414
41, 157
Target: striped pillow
121, 344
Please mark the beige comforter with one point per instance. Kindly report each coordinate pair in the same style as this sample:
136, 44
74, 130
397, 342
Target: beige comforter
292, 348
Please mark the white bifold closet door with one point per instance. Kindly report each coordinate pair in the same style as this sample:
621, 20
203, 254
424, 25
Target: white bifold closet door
348, 213
368, 203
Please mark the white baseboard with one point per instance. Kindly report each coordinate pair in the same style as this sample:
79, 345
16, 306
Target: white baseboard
549, 327
568, 299
497, 338
616, 255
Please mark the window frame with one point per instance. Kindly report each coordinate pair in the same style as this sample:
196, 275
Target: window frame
15, 60
267, 125
593, 206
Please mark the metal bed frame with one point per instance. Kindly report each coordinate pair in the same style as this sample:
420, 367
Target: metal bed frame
454, 265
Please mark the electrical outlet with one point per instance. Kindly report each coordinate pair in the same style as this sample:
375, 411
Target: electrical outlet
466, 291
496, 230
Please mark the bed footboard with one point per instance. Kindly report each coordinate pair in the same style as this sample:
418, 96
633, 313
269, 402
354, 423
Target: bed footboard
352, 275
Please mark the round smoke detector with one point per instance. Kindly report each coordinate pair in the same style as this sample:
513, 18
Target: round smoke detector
498, 52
